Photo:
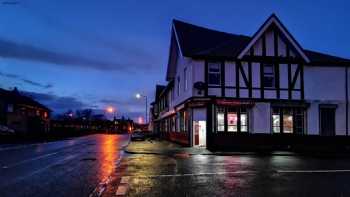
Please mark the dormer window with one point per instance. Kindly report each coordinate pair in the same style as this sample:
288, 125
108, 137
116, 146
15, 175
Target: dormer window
214, 73
269, 76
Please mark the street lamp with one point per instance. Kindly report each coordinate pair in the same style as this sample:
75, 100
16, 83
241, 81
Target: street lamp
138, 96
111, 110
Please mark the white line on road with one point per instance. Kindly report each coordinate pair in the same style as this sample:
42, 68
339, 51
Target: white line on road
31, 159
17, 179
195, 174
312, 171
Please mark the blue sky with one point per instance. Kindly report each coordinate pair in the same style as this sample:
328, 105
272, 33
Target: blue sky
91, 54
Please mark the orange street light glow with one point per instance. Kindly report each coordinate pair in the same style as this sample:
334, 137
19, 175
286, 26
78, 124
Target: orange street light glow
110, 109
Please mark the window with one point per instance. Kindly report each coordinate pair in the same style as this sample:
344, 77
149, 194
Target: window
185, 79
9, 108
269, 76
236, 120
244, 120
232, 120
220, 119
214, 73
276, 122
288, 120
299, 121
183, 125
178, 86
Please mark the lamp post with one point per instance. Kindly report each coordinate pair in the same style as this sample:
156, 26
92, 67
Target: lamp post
138, 96
112, 110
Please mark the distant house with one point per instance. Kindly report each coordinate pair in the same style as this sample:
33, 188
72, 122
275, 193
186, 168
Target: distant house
155, 109
22, 113
222, 86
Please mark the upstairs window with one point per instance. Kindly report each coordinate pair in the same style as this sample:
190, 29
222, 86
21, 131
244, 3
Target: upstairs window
178, 86
10, 108
185, 79
269, 76
214, 73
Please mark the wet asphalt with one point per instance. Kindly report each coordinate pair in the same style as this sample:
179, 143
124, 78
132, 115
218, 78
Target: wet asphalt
73, 167
76, 167
241, 175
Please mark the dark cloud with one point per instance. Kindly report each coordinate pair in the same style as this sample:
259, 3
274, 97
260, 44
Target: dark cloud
57, 103
11, 49
60, 104
28, 81
138, 56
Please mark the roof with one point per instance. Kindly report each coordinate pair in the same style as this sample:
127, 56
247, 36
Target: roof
200, 41
15, 97
196, 41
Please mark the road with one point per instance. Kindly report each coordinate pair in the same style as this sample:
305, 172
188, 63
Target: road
73, 167
81, 166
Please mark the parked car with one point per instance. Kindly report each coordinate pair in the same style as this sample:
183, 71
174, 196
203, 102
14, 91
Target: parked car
138, 135
4, 130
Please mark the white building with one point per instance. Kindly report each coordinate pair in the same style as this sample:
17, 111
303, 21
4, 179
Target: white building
223, 85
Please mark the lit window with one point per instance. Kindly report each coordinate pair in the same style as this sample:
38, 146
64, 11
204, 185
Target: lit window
269, 76
220, 119
287, 121
244, 121
232, 121
276, 122
214, 73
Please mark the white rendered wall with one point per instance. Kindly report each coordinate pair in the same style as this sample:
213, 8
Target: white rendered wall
325, 85
261, 118
183, 63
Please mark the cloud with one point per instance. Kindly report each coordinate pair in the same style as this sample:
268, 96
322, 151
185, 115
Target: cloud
25, 80
130, 54
61, 104
56, 103
21, 51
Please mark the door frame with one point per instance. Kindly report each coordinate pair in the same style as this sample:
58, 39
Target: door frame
204, 138
326, 106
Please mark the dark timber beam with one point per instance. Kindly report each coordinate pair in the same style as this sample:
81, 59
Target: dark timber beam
206, 78
238, 63
222, 74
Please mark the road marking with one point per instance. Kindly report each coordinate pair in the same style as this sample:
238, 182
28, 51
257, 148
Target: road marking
122, 189
195, 174
312, 171
32, 159
41, 170
125, 180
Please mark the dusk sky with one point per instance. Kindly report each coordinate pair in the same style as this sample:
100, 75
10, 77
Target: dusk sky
92, 54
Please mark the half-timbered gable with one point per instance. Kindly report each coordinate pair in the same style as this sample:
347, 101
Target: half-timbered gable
225, 84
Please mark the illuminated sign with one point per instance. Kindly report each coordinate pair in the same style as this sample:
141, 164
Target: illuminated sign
234, 102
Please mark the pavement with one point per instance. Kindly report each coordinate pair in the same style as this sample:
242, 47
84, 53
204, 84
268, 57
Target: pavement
159, 168
164, 147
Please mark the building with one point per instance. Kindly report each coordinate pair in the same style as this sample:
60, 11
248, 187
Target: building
23, 114
223, 87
